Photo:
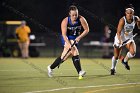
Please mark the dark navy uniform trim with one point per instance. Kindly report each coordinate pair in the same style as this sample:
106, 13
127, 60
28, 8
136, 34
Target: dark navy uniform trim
69, 21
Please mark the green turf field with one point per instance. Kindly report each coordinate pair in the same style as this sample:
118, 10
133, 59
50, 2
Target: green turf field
30, 76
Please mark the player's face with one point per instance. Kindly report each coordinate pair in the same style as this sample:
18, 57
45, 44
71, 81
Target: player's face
129, 14
73, 14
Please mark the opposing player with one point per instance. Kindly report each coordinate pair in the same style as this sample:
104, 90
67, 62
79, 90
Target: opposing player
124, 32
71, 28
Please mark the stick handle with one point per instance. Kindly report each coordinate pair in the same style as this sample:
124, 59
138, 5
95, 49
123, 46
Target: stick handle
124, 43
69, 49
73, 43
67, 52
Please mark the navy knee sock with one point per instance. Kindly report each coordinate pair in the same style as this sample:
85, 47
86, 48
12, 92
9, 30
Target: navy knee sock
56, 63
76, 62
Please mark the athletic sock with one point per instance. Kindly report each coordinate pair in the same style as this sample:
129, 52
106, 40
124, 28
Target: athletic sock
114, 62
125, 60
56, 63
76, 62
128, 56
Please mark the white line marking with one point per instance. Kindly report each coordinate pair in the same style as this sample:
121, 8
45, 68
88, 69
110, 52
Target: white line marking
112, 88
67, 88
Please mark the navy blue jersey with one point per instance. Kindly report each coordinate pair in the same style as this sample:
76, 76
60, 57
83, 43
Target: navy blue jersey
74, 29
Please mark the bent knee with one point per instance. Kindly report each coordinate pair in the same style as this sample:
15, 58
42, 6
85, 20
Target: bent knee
75, 53
131, 54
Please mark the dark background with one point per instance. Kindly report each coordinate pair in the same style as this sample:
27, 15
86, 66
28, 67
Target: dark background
44, 16
51, 12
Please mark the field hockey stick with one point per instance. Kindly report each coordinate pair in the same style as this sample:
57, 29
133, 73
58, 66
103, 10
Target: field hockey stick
67, 53
125, 42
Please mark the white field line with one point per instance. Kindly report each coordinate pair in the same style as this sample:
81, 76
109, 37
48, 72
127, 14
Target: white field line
67, 88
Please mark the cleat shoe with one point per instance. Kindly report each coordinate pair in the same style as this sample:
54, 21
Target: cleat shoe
82, 74
112, 71
80, 78
126, 65
50, 71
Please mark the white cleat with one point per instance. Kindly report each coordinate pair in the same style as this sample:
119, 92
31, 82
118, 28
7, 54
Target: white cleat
50, 71
82, 73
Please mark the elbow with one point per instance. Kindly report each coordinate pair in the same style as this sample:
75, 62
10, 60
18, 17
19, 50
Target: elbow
87, 31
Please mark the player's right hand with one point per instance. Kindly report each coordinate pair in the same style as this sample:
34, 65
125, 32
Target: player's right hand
120, 42
68, 46
119, 45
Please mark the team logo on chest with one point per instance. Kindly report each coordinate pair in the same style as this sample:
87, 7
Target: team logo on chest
128, 29
74, 30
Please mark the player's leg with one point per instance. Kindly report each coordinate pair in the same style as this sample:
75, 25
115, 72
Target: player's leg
24, 45
27, 53
21, 49
123, 53
115, 59
130, 54
58, 61
75, 58
26, 49
76, 61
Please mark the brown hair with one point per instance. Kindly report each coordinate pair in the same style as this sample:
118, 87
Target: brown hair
72, 7
129, 6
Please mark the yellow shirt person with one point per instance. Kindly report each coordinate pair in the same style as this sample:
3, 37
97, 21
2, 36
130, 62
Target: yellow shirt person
22, 33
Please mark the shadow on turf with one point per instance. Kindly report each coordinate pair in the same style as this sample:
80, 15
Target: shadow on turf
25, 78
87, 76
95, 76
42, 78
66, 76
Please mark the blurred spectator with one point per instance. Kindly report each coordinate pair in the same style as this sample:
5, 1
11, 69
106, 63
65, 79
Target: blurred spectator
22, 33
105, 39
